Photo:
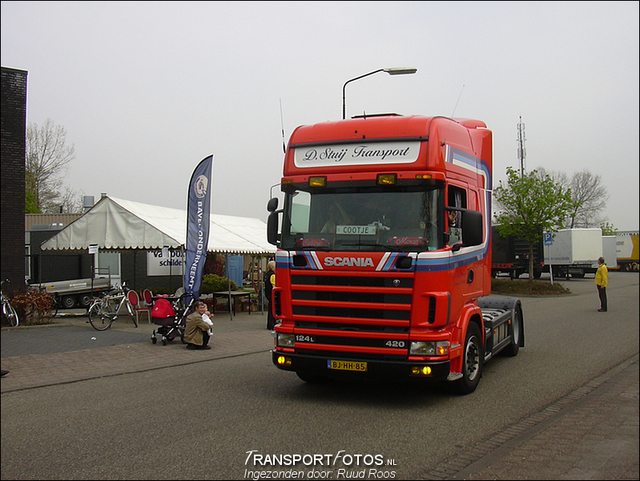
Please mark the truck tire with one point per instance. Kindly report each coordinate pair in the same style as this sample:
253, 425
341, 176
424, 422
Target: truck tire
517, 333
84, 300
472, 361
68, 302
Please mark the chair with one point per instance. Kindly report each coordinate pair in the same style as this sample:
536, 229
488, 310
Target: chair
147, 296
137, 308
143, 302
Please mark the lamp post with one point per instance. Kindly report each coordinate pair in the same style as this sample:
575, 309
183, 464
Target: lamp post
390, 71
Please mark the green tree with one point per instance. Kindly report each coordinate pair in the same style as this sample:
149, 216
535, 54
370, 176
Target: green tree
47, 157
608, 228
30, 201
529, 206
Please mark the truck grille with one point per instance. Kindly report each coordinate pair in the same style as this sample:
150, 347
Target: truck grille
340, 299
352, 327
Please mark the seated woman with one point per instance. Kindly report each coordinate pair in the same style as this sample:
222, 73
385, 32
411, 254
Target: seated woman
196, 333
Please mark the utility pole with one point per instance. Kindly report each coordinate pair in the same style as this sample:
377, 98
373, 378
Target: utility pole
522, 153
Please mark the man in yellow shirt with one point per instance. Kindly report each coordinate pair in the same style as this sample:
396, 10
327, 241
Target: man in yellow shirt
602, 275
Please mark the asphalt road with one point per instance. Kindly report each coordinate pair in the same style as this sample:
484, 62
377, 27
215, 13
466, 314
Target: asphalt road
201, 421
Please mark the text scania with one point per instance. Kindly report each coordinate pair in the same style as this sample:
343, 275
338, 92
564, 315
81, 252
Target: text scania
348, 262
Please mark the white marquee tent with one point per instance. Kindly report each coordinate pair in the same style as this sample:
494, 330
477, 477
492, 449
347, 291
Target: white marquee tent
116, 224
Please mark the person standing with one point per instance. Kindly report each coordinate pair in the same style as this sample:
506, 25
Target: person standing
602, 275
269, 284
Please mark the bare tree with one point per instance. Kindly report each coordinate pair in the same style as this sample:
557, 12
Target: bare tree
71, 201
588, 194
591, 196
46, 163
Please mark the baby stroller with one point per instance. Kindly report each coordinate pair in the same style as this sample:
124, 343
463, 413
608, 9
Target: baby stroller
171, 317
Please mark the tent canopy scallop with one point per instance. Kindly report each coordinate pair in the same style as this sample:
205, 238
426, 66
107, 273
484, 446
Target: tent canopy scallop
117, 224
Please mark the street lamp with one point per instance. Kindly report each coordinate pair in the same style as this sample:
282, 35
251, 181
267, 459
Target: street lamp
390, 71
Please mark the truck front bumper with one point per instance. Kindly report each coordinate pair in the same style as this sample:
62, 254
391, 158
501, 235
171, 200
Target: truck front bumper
319, 365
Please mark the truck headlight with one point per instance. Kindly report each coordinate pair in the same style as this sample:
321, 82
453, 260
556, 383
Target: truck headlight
286, 340
429, 348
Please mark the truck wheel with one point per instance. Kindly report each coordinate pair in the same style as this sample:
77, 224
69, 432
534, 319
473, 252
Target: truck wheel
472, 361
68, 302
84, 300
516, 333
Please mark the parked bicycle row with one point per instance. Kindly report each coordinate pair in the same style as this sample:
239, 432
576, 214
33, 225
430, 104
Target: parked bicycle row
169, 313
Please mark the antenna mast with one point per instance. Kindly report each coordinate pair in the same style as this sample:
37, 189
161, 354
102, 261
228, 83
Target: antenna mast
522, 152
284, 147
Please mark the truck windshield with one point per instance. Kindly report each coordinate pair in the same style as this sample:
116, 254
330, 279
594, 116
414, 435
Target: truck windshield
363, 221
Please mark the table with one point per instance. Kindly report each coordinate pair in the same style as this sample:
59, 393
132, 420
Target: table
235, 295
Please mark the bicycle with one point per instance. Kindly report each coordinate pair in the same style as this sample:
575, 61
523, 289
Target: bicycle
9, 314
104, 310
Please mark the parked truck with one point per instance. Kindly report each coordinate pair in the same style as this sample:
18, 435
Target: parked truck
510, 255
609, 251
572, 252
383, 265
627, 250
76, 292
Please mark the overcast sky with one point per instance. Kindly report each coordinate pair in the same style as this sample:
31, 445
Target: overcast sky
147, 90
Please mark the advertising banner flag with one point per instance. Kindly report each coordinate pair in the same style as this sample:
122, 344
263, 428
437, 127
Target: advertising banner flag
198, 220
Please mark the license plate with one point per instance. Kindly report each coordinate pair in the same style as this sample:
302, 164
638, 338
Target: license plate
347, 366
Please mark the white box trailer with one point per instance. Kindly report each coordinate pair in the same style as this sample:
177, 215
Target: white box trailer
573, 252
609, 251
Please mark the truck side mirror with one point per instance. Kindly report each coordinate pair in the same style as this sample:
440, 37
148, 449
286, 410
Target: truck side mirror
471, 228
272, 226
272, 205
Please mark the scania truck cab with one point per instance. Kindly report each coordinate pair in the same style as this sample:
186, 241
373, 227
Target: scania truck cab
383, 265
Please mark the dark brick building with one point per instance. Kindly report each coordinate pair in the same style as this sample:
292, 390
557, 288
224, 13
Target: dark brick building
14, 118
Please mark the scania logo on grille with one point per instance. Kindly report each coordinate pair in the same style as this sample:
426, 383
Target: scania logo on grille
396, 282
348, 262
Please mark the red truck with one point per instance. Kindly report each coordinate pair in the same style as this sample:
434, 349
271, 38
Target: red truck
383, 265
